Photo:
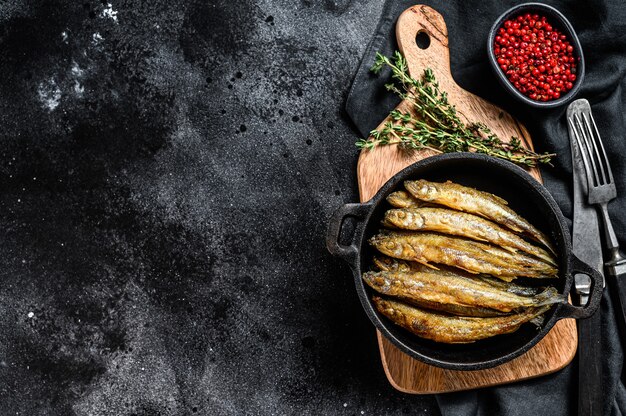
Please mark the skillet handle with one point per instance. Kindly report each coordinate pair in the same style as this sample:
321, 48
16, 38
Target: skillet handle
350, 252
568, 310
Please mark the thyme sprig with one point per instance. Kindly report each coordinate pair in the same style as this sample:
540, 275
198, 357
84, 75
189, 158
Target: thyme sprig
436, 125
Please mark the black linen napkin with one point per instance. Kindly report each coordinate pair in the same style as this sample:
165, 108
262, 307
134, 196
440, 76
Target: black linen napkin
601, 27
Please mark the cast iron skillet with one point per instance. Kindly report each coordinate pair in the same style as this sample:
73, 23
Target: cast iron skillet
527, 197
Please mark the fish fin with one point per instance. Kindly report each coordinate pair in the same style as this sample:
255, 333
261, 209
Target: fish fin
497, 198
510, 249
381, 264
507, 279
426, 263
550, 296
537, 321
467, 270
386, 223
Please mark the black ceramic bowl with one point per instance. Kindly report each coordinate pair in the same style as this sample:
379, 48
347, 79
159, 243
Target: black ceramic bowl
557, 20
526, 196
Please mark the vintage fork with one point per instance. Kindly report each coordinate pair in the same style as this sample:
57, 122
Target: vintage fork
600, 191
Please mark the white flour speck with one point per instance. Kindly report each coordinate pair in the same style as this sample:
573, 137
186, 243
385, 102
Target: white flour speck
31, 314
49, 94
78, 89
110, 13
64, 36
97, 38
76, 71
345, 405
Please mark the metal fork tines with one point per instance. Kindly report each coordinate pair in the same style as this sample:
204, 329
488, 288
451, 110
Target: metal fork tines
600, 186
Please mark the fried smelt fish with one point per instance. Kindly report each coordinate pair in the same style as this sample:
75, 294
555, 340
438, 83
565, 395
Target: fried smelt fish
428, 288
459, 223
451, 308
477, 202
402, 199
452, 329
388, 264
468, 255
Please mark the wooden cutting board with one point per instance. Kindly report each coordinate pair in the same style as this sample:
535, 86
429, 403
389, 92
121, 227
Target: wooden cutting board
376, 166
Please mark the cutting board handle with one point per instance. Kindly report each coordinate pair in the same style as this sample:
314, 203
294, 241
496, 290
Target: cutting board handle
436, 56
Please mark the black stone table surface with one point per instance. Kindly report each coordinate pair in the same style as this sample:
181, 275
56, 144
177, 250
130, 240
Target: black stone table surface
167, 169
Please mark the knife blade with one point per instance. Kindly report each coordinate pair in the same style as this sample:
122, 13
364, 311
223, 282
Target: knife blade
587, 246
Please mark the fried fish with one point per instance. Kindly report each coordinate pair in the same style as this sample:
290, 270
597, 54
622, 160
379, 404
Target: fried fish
471, 256
477, 202
463, 224
452, 329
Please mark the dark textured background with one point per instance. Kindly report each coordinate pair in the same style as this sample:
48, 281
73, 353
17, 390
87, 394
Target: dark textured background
166, 172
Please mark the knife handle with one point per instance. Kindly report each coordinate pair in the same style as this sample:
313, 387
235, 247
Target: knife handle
567, 310
590, 398
616, 272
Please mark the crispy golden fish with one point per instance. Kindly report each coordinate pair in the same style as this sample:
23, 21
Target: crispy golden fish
477, 202
384, 263
454, 309
452, 329
403, 199
453, 222
427, 288
468, 255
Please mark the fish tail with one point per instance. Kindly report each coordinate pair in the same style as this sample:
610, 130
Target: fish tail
426, 263
545, 257
546, 242
550, 296
537, 321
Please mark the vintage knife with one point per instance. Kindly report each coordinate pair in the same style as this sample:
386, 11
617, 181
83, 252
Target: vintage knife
587, 246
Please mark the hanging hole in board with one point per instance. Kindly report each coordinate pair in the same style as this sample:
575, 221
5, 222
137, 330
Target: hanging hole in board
423, 40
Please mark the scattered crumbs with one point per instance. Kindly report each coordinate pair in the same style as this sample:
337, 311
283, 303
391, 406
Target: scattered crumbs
362, 412
345, 405
31, 314
110, 13
64, 36
49, 94
23, 261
